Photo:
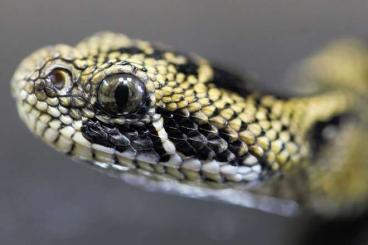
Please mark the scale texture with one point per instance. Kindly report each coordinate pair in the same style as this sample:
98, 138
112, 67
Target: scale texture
145, 109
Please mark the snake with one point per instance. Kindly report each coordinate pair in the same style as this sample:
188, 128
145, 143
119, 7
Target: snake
176, 122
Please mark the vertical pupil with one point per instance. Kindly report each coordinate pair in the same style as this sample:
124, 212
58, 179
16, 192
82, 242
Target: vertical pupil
121, 96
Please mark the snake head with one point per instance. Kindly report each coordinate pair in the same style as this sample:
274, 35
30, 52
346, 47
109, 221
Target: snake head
75, 98
128, 104
132, 105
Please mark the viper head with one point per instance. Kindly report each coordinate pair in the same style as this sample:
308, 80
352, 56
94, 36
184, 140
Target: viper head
132, 105
129, 104
124, 103
71, 96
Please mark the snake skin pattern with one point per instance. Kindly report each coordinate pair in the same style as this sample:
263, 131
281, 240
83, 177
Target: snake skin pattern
188, 121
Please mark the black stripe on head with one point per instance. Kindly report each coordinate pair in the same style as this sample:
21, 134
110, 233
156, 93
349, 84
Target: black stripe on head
130, 50
158, 54
230, 81
138, 139
201, 141
189, 68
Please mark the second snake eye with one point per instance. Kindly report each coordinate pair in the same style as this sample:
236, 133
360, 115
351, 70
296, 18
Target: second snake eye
121, 93
60, 78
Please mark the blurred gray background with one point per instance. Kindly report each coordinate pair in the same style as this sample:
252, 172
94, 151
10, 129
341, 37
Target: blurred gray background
45, 198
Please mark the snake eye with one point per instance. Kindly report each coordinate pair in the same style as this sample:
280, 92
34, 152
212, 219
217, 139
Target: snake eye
121, 93
60, 78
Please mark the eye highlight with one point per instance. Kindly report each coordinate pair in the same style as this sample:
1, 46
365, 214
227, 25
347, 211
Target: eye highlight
60, 78
121, 94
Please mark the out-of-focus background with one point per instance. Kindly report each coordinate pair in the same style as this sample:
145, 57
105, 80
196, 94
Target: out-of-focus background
45, 198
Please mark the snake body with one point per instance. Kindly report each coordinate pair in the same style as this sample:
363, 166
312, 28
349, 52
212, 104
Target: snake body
147, 110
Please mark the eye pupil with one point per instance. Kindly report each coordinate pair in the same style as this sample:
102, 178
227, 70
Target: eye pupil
122, 95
